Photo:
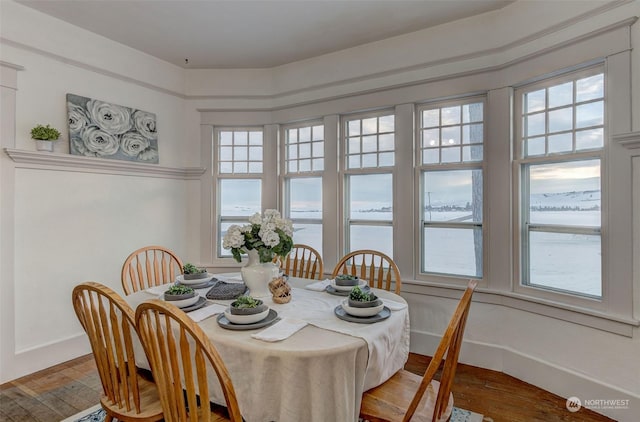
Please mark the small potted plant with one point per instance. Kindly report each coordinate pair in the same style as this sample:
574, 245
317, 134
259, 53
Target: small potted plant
246, 305
191, 272
347, 280
361, 299
44, 137
181, 296
362, 304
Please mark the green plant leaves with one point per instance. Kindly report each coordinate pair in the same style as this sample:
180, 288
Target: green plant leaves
45, 133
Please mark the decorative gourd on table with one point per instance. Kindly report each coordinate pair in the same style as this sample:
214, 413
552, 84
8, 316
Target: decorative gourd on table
280, 290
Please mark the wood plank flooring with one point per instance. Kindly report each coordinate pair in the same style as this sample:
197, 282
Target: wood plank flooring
501, 397
66, 389
52, 394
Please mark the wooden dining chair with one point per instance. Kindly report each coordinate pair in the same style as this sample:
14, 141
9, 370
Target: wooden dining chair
109, 323
149, 266
402, 397
180, 353
375, 267
303, 261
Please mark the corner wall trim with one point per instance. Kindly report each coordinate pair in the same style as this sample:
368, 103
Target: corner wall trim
45, 160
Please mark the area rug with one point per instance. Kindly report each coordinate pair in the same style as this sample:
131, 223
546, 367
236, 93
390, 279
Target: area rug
96, 414
92, 414
462, 415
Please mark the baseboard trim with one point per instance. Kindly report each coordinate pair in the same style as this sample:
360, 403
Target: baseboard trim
557, 380
38, 358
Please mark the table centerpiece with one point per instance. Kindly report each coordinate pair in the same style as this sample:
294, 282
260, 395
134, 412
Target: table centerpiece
266, 236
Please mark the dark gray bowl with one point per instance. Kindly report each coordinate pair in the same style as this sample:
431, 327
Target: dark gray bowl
170, 298
346, 282
182, 301
370, 304
195, 276
248, 311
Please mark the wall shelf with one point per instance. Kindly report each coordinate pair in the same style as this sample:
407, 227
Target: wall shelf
47, 160
629, 140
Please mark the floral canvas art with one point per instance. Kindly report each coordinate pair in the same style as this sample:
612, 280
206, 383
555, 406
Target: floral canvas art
105, 130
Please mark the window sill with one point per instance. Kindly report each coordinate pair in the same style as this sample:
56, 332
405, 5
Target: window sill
582, 316
49, 160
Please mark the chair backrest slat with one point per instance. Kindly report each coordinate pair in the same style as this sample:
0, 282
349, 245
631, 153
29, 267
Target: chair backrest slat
149, 266
449, 346
180, 353
108, 322
303, 261
374, 266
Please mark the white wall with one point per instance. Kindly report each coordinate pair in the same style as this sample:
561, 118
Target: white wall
63, 225
82, 213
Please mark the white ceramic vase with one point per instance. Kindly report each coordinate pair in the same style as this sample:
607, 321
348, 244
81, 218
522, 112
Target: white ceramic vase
257, 275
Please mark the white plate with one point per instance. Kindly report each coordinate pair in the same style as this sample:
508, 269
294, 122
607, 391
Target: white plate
180, 279
245, 319
362, 283
183, 303
361, 312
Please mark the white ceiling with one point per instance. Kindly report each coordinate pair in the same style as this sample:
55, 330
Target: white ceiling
254, 34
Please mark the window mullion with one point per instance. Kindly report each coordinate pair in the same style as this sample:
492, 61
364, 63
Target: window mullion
451, 225
353, 222
564, 229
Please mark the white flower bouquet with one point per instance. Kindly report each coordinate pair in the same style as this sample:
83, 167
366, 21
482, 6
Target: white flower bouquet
268, 233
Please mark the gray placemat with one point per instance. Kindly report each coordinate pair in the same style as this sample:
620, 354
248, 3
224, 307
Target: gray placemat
226, 291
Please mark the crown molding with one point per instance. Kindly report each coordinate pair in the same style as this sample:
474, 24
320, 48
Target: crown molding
11, 65
371, 76
68, 162
90, 68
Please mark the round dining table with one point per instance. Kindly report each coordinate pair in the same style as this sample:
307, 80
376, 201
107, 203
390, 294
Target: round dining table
319, 373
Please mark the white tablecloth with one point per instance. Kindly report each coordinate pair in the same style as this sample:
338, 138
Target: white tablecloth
320, 372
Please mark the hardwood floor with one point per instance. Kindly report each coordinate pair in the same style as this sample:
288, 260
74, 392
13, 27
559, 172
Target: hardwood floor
52, 394
501, 397
66, 389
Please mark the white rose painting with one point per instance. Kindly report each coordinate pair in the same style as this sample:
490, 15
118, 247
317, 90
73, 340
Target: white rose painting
104, 130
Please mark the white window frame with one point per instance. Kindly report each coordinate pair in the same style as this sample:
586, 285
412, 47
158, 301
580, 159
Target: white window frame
286, 176
217, 177
345, 173
421, 168
521, 195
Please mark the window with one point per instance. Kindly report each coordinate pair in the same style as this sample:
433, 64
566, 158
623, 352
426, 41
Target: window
304, 164
239, 178
369, 144
560, 143
451, 153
